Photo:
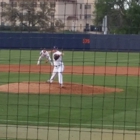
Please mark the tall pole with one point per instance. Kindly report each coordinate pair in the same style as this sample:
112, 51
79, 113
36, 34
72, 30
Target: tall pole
104, 25
29, 21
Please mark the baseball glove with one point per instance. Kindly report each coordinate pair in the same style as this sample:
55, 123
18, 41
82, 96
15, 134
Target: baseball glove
56, 56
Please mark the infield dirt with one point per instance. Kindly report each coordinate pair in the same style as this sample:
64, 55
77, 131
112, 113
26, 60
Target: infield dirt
69, 88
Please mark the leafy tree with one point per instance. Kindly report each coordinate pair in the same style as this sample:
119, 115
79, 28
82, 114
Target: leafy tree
28, 15
132, 20
123, 15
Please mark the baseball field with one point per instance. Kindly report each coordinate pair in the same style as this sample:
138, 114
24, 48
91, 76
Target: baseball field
101, 96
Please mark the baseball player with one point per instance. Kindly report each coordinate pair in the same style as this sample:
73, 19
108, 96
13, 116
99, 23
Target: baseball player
44, 54
58, 66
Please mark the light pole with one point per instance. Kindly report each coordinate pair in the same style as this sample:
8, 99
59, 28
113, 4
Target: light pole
29, 20
105, 25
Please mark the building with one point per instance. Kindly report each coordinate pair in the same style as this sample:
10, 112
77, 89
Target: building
75, 14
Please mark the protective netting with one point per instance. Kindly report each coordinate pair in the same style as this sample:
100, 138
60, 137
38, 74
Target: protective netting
90, 92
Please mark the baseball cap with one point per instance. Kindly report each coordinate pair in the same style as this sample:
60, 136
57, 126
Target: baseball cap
55, 48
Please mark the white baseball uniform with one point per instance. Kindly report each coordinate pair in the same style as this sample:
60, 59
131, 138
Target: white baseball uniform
58, 68
44, 54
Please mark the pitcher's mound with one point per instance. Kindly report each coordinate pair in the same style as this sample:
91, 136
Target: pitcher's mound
46, 88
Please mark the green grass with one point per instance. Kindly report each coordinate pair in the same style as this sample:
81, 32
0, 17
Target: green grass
116, 110
69, 110
88, 111
82, 58
111, 81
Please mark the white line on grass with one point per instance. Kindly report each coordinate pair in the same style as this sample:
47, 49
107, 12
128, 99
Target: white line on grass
125, 60
74, 124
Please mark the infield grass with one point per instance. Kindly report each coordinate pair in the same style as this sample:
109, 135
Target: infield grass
119, 110
116, 110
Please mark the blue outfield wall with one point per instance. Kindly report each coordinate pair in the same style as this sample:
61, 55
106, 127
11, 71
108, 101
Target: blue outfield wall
115, 42
70, 41
37, 41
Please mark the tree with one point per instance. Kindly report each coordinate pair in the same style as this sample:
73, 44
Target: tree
29, 16
132, 19
120, 13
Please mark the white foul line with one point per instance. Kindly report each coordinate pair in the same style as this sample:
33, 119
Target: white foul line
74, 124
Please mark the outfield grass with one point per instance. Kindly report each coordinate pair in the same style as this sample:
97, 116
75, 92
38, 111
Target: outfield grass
116, 110
74, 58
